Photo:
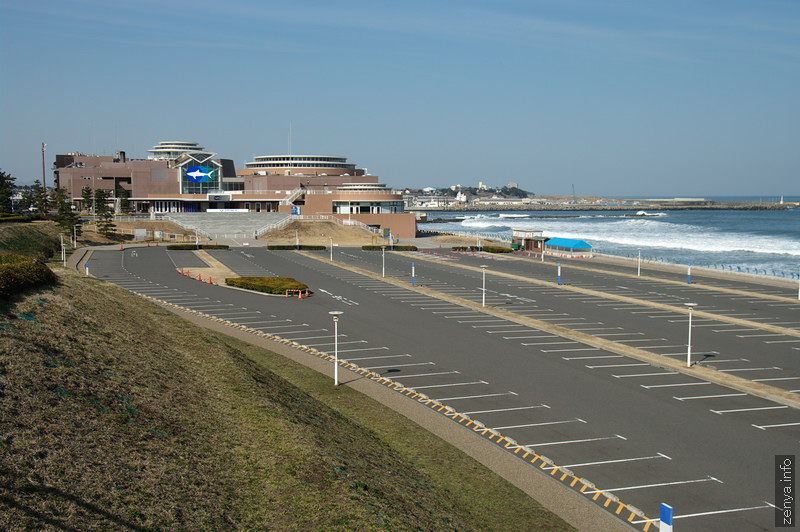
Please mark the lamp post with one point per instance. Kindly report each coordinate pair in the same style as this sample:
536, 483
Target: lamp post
483, 290
383, 261
689, 345
335, 314
331, 249
639, 264
798, 282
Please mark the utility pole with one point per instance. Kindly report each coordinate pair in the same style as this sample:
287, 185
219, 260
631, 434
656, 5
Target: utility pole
44, 179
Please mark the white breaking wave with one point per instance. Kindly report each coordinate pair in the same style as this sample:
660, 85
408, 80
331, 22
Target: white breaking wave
645, 232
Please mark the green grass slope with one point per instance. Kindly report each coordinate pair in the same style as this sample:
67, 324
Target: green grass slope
117, 415
38, 239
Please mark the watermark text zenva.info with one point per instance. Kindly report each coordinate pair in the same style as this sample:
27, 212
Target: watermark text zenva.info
784, 490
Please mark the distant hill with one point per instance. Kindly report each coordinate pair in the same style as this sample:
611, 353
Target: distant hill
117, 415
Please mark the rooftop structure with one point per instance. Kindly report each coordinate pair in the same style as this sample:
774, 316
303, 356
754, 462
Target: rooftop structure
316, 165
171, 150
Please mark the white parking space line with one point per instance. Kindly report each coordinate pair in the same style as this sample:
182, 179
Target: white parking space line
593, 356
748, 409
781, 341
526, 337
429, 374
777, 379
401, 365
567, 442
340, 343
618, 334
618, 365
365, 349
448, 385
700, 514
644, 486
572, 350
641, 340
659, 455
599, 329
692, 397
550, 343
757, 335
380, 356
747, 369
765, 427
313, 337
486, 326
540, 424
505, 409
475, 396
648, 386
481, 321
646, 374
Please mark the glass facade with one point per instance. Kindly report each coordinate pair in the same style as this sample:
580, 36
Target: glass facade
200, 179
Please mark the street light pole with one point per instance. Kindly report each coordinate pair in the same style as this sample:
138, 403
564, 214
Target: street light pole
639, 266
689, 345
383, 261
483, 290
331, 249
335, 314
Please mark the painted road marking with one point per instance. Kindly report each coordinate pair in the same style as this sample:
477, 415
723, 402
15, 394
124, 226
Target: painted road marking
448, 385
566, 442
340, 343
781, 341
593, 356
645, 374
505, 409
570, 350
279, 326
430, 374
365, 349
524, 337
765, 427
748, 369
401, 365
618, 365
475, 396
643, 486
551, 343
381, 356
540, 424
672, 385
749, 409
659, 455
709, 396
777, 379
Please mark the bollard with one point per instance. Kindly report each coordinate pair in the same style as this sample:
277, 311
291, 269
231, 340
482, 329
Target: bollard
121, 247
148, 243
156, 243
181, 271
210, 280
198, 277
299, 294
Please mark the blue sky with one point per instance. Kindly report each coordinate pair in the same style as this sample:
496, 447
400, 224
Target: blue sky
618, 97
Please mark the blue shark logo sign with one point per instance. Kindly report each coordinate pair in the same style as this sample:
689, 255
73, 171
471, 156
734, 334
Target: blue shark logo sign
199, 174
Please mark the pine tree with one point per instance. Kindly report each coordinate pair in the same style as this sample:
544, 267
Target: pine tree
104, 213
41, 202
66, 217
124, 204
86, 196
6, 191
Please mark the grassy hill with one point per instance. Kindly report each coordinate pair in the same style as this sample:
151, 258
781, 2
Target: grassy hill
116, 414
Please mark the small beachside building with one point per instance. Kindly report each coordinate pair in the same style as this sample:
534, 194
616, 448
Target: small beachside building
568, 248
527, 240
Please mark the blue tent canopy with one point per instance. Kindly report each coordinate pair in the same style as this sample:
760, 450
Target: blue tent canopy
567, 243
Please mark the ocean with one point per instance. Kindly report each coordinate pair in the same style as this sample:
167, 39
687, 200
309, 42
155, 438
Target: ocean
760, 242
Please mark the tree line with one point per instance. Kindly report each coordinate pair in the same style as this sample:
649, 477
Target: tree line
55, 204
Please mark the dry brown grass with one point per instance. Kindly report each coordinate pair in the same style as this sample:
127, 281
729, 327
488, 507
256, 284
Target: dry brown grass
115, 414
320, 233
